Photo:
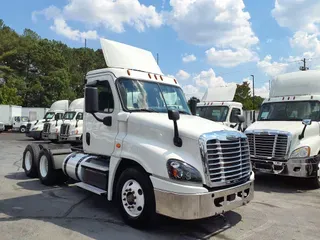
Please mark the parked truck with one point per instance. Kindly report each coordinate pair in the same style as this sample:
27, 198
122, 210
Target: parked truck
41, 128
146, 151
286, 140
12, 118
72, 127
217, 105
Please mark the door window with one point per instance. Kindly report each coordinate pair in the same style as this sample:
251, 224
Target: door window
79, 116
105, 97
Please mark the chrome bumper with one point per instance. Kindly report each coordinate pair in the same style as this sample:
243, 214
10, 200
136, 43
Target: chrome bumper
298, 167
51, 136
197, 206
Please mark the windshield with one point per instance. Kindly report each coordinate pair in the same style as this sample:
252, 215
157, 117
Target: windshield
69, 115
290, 111
214, 113
49, 115
150, 96
24, 119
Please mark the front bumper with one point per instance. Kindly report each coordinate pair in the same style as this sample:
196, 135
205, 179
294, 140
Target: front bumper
71, 138
50, 136
203, 205
34, 134
298, 167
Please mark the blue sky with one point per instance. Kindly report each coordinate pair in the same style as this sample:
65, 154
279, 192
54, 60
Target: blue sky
226, 41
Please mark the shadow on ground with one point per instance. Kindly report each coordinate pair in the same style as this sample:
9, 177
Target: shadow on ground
281, 184
63, 205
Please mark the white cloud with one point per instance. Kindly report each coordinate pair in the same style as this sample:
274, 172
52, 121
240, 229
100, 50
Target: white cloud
298, 14
260, 91
223, 24
208, 79
269, 40
189, 58
230, 58
182, 75
192, 91
113, 15
270, 68
49, 12
306, 42
60, 27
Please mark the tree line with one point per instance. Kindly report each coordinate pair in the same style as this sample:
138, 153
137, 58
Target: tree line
35, 72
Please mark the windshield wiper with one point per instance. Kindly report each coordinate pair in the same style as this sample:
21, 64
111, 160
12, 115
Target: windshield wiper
184, 112
144, 110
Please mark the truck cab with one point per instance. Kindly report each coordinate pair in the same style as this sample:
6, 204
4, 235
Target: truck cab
217, 105
19, 123
143, 148
72, 127
42, 128
285, 139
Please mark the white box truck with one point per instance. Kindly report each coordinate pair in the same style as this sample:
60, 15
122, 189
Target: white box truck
286, 140
12, 118
34, 113
145, 151
72, 127
39, 129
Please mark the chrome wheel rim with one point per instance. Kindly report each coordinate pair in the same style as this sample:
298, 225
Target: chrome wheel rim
22, 130
44, 164
28, 161
132, 198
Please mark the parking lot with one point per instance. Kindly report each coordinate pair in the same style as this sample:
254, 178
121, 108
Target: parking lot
283, 208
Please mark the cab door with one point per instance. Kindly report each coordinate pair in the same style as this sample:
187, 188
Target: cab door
99, 138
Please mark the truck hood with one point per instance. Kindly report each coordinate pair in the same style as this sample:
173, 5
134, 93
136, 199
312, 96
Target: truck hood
293, 127
188, 125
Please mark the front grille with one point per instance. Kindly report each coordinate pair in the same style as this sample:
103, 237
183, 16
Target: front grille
64, 129
268, 145
228, 160
46, 127
28, 127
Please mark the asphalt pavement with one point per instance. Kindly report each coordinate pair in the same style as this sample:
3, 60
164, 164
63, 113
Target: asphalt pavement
283, 208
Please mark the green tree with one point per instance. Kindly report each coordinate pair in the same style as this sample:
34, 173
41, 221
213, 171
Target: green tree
243, 95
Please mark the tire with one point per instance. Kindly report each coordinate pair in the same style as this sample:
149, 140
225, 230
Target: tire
29, 160
134, 186
23, 129
46, 172
315, 181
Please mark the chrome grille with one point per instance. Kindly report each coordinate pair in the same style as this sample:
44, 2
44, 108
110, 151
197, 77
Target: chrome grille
64, 129
28, 127
228, 160
46, 127
268, 145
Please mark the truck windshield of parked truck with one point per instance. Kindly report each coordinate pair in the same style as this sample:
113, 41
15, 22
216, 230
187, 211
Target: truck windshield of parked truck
151, 97
69, 115
49, 115
214, 113
290, 111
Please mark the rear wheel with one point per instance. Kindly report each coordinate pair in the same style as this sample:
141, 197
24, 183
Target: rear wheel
47, 173
135, 198
30, 156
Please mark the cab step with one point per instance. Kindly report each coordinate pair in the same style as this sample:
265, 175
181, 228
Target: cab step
91, 188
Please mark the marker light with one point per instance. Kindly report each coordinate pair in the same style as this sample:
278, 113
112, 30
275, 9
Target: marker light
175, 81
118, 145
149, 75
155, 76
161, 78
128, 72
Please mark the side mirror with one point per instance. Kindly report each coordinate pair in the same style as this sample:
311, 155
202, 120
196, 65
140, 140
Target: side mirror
56, 117
173, 115
193, 106
91, 100
240, 118
306, 122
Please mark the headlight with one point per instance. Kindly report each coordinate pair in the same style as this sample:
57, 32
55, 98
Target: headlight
301, 152
182, 171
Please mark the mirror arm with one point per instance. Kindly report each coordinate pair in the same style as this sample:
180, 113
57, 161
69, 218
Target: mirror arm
98, 119
302, 134
176, 140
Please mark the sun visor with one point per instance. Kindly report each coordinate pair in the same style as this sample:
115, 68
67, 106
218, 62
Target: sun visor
220, 94
119, 55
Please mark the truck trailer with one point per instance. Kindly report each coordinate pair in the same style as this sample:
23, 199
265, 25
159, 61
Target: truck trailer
143, 149
285, 139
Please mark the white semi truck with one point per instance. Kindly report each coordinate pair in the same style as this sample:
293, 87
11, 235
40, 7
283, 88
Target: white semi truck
72, 127
286, 140
217, 105
145, 150
12, 118
40, 129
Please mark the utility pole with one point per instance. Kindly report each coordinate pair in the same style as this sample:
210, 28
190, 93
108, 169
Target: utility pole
254, 112
157, 58
304, 67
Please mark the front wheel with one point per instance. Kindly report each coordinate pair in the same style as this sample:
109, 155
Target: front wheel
23, 129
135, 198
315, 182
